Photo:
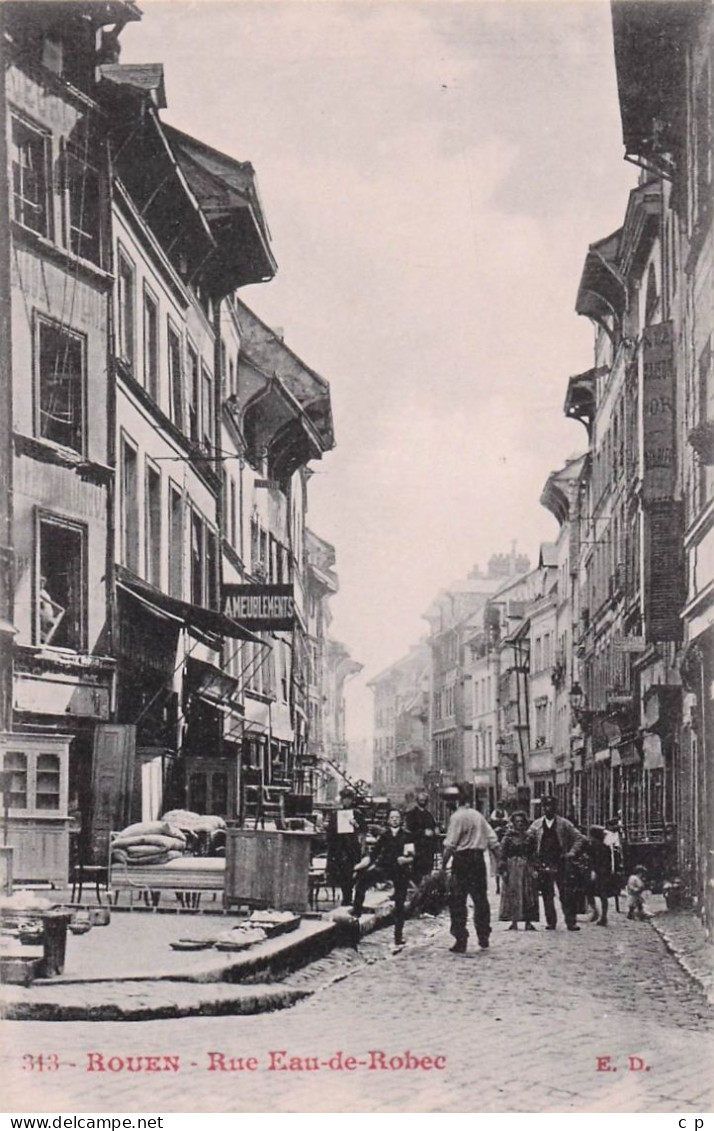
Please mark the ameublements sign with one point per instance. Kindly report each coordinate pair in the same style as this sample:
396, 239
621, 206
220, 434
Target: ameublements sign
260, 606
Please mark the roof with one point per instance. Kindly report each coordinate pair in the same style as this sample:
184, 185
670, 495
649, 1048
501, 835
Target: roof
146, 78
602, 291
417, 655
650, 44
228, 194
555, 494
273, 357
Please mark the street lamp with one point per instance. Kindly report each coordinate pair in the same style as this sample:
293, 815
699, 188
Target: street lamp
577, 698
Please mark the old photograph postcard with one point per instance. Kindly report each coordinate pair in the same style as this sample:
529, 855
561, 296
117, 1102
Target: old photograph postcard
357, 548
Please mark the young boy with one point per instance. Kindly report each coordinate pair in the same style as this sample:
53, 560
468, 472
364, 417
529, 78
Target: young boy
636, 892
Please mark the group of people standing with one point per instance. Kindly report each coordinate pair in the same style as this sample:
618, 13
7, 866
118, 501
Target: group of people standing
533, 861
552, 853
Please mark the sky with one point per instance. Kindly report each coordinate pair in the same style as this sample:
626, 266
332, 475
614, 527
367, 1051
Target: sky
432, 174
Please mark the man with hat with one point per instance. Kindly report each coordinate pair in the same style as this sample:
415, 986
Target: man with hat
344, 849
557, 842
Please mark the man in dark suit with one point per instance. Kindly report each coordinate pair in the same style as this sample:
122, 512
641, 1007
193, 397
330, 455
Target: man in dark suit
421, 826
557, 842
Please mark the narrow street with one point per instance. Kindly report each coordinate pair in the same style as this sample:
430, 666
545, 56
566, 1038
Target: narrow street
521, 1027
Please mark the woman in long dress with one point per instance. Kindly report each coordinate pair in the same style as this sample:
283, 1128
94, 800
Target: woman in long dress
519, 889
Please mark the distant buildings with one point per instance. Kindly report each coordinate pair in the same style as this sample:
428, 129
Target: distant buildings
591, 676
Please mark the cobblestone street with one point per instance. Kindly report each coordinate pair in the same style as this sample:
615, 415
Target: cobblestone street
520, 1027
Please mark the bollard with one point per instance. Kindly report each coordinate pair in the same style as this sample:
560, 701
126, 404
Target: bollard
54, 925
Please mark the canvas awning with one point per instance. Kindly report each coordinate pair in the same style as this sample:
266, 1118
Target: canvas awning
192, 616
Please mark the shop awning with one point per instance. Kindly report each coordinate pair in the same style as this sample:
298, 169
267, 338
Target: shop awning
192, 616
210, 683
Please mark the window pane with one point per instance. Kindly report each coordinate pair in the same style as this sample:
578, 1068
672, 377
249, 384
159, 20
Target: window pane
193, 394
151, 346
175, 544
197, 559
61, 595
130, 507
207, 407
153, 526
83, 201
175, 378
61, 386
47, 793
211, 587
16, 766
125, 291
29, 177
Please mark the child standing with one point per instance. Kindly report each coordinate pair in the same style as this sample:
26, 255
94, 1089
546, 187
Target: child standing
636, 892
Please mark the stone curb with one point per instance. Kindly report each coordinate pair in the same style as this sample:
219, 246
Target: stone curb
700, 973
135, 1002
165, 995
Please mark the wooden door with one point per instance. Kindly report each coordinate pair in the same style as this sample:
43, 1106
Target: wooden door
112, 783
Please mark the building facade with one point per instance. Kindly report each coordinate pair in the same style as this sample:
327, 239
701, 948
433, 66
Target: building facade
154, 600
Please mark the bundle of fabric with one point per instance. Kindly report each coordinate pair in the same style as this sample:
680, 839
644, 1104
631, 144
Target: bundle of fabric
432, 895
148, 842
205, 834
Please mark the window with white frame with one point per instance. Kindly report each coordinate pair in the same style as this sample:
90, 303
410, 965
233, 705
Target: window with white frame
61, 370
61, 605
126, 298
31, 178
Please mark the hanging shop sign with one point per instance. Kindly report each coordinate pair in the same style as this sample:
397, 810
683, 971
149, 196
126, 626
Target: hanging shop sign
664, 579
260, 607
659, 469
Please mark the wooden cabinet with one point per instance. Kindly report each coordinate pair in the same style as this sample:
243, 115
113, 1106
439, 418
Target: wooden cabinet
267, 868
34, 805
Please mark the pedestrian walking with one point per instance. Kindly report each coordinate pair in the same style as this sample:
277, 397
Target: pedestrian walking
344, 847
420, 823
613, 840
601, 874
637, 893
468, 837
519, 889
389, 859
556, 842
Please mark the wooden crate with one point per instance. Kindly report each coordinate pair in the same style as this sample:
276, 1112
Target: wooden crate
268, 868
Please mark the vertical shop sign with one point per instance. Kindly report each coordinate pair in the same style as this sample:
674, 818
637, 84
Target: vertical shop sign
659, 468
